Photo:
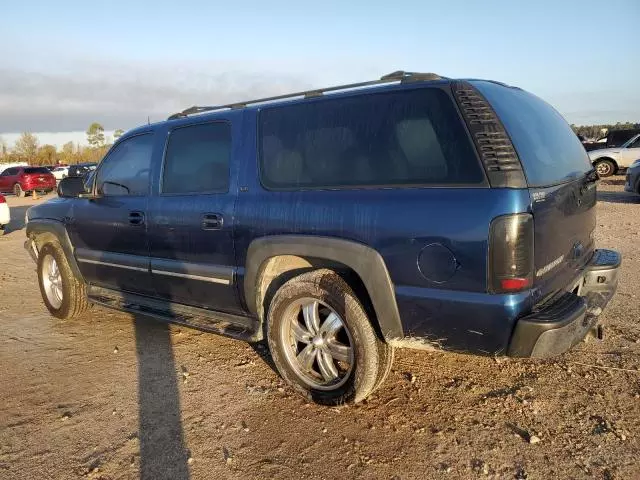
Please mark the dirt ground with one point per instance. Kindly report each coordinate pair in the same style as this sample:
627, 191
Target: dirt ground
110, 396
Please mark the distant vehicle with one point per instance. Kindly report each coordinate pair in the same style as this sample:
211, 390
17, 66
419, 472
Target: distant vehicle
613, 139
4, 166
60, 172
611, 161
24, 180
5, 216
80, 169
632, 180
420, 212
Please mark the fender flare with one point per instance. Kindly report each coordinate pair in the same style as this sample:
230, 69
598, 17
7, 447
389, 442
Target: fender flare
364, 260
56, 228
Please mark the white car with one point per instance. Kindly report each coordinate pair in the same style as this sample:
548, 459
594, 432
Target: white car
5, 217
60, 172
609, 161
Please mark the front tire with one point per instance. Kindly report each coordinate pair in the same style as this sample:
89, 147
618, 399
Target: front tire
63, 294
18, 191
322, 341
605, 168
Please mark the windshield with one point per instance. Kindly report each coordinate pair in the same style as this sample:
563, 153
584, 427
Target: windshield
549, 150
630, 141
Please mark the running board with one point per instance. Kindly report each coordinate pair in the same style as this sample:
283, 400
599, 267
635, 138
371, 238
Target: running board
234, 326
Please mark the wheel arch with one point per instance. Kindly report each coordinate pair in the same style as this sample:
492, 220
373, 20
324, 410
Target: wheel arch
273, 260
42, 231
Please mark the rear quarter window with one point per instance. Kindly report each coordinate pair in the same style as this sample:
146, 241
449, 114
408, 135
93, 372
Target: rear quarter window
413, 137
549, 150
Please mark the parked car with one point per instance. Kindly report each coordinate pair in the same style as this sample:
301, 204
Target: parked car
613, 139
610, 161
60, 172
341, 226
5, 215
80, 169
24, 180
632, 180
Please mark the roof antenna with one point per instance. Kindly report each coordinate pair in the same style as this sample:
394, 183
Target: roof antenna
148, 120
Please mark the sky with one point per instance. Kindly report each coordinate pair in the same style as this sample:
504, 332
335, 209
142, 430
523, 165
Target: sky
65, 64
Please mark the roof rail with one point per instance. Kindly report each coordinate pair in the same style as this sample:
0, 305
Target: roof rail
398, 76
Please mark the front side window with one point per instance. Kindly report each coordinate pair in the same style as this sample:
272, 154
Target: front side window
125, 171
411, 137
197, 159
9, 172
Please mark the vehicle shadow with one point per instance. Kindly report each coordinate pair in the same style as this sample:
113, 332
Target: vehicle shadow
17, 218
618, 197
163, 454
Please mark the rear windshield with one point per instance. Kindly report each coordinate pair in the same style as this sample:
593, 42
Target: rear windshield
549, 150
402, 138
36, 170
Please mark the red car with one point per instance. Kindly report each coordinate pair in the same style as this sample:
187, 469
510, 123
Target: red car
23, 180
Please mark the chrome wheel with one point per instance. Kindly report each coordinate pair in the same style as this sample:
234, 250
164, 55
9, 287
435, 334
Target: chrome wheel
52, 281
604, 169
317, 344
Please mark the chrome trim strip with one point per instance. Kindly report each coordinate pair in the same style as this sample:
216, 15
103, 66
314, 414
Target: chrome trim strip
107, 264
193, 277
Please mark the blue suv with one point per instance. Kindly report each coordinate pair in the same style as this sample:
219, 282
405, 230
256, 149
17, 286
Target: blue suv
341, 223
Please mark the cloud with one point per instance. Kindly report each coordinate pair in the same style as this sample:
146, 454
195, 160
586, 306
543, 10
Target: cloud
123, 95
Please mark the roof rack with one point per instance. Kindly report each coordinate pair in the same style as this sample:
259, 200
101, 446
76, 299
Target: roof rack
398, 76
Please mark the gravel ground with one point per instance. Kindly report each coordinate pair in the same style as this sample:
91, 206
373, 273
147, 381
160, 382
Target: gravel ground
112, 396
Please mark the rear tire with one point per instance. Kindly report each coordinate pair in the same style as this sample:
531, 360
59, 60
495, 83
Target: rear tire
344, 361
17, 191
63, 294
605, 168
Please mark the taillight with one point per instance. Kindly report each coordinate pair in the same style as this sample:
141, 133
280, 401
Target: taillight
511, 253
2, 199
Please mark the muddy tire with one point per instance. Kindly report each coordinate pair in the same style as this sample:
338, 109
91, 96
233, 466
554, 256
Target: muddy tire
322, 341
605, 168
63, 294
17, 191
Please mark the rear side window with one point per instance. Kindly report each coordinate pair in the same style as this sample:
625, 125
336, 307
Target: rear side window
402, 138
549, 150
36, 170
197, 159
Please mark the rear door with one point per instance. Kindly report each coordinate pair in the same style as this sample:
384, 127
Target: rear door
191, 218
561, 184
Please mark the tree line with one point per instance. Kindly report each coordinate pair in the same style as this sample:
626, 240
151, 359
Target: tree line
595, 132
27, 148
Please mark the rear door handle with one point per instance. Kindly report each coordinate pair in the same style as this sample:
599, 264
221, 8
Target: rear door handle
136, 218
212, 221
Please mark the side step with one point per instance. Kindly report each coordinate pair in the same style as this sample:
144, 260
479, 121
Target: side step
234, 326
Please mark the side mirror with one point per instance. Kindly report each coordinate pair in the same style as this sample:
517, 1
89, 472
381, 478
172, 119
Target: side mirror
71, 187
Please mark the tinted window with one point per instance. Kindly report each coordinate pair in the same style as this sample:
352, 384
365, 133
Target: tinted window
635, 143
549, 150
401, 138
10, 171
125, 171
37, 170
197, 159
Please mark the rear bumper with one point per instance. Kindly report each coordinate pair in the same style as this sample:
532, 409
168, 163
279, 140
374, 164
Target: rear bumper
559, 325
48, 185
